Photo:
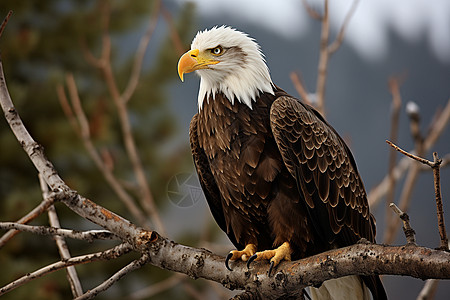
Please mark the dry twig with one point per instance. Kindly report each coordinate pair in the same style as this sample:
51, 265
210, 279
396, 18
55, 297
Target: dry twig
407, 229
72, 276
82, 259
437, 128
37, 211
394, 87
435, 165
80, 123
299, 86
104, 65
134, 265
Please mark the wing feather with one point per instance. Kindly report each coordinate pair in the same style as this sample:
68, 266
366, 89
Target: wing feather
325, 171
208, 183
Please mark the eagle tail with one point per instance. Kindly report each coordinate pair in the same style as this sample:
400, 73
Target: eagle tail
344, 288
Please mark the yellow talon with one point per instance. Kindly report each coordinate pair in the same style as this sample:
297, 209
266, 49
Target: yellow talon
244, 255
275, 256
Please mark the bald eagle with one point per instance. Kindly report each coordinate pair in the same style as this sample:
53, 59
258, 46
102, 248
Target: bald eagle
279, 180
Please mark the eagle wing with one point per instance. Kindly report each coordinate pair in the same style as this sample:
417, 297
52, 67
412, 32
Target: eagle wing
325, 172
208, 183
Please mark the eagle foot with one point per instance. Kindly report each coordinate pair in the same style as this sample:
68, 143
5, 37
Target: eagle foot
275, 256
244, 255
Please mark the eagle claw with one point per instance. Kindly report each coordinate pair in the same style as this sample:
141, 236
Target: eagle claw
230, 255
251, 259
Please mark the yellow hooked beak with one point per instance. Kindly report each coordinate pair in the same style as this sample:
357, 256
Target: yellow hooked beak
193, 60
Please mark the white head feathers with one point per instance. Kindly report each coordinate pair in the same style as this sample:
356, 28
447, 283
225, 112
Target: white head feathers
242, 72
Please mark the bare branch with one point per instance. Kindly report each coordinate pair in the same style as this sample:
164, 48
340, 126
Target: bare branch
323, 61
98, 256
299, 86
377, 193
439, 205
340, 37
428, 290
360, 259
72, 276
312, 13
5, 21
407, 229
145, 197
140, 53
84, 131
410, 155
176, 39
394, 87
435, 165
134, 265
37, 211
88, 236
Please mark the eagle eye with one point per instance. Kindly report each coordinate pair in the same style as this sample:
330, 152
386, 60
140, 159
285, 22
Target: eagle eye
217, 50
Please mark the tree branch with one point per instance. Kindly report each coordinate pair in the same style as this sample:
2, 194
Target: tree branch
435, 165
289, 277
105, 66
436, 130
37, 211
104, 255
407, 229
88, 236
81, 126
72, 276
134, 265
394, 87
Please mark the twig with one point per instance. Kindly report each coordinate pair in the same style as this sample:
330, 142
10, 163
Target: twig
323, 60
407, 229
145, 197
5, 21
37, 211
72, 276
428, 290
81, 124
435, 165
327, 50
340, 37
396, 105
312, 13
82, 206
410, 155
88, 236
98, 256
140, 53
439, 205
134, 265
377, 193
299, 86
176, 39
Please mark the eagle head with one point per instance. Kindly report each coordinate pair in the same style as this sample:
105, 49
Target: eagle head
227, 61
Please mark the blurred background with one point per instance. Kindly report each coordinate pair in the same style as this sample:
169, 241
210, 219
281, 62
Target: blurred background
47, 40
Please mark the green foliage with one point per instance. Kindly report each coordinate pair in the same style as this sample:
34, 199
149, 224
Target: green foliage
45, 40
